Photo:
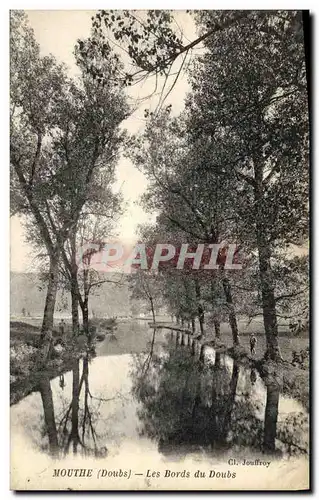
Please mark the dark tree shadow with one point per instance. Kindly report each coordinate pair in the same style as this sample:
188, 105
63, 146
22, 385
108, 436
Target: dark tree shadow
189, 403
75, 429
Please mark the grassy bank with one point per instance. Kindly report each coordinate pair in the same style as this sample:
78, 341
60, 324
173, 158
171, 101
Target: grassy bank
25, 373
292, 375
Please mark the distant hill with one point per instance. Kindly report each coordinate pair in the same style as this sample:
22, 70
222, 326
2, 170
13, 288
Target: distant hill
28, 292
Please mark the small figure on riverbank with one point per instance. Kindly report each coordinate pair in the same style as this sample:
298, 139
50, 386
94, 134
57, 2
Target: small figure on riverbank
253, 342
62, 327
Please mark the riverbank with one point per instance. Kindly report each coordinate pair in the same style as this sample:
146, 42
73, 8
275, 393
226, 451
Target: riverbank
24, 372
291, 375
24, 340
293, 379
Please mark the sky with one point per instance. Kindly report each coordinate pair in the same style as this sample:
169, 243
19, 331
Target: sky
57, 31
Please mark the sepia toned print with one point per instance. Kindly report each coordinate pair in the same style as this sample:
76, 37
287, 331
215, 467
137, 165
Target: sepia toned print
159, 329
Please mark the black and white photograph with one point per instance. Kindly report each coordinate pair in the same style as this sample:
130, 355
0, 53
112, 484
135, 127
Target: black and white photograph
159, 250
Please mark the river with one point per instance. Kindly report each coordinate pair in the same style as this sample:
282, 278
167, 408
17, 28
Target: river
145, 395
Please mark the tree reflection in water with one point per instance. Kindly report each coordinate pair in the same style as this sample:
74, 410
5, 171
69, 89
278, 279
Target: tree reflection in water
191, 404
49, 418
75, 428
186, 402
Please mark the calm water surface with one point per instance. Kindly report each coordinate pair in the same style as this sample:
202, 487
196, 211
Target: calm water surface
149, 393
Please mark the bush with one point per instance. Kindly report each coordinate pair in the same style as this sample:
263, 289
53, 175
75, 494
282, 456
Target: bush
301, 359
21, 356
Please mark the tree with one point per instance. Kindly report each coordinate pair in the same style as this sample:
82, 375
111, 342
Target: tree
181, 288
196, 201
86, 278
62, 131
291, 275
153, 40
36, 88
248, 100
242, 89
145, 285
94, 227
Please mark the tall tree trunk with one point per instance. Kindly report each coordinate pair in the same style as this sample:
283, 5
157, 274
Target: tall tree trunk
49, 418
74, 285
85, 315
177, 339
271, 416
50, 300
201, 316
217, 328
193, 326
213, 288
75, 308
193, 347
230, 306
265, 274
268, 300
202, 354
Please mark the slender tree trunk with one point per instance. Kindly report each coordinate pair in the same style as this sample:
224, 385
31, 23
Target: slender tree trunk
202, 354
74, 285
49, 417
48, 315
268, 301
201, 316
84, 303
217, 328
230, 306
75, 306
85, 315
177, 339
271, 416
217, 363
265, 273
193, 347
213, 288
193, 326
